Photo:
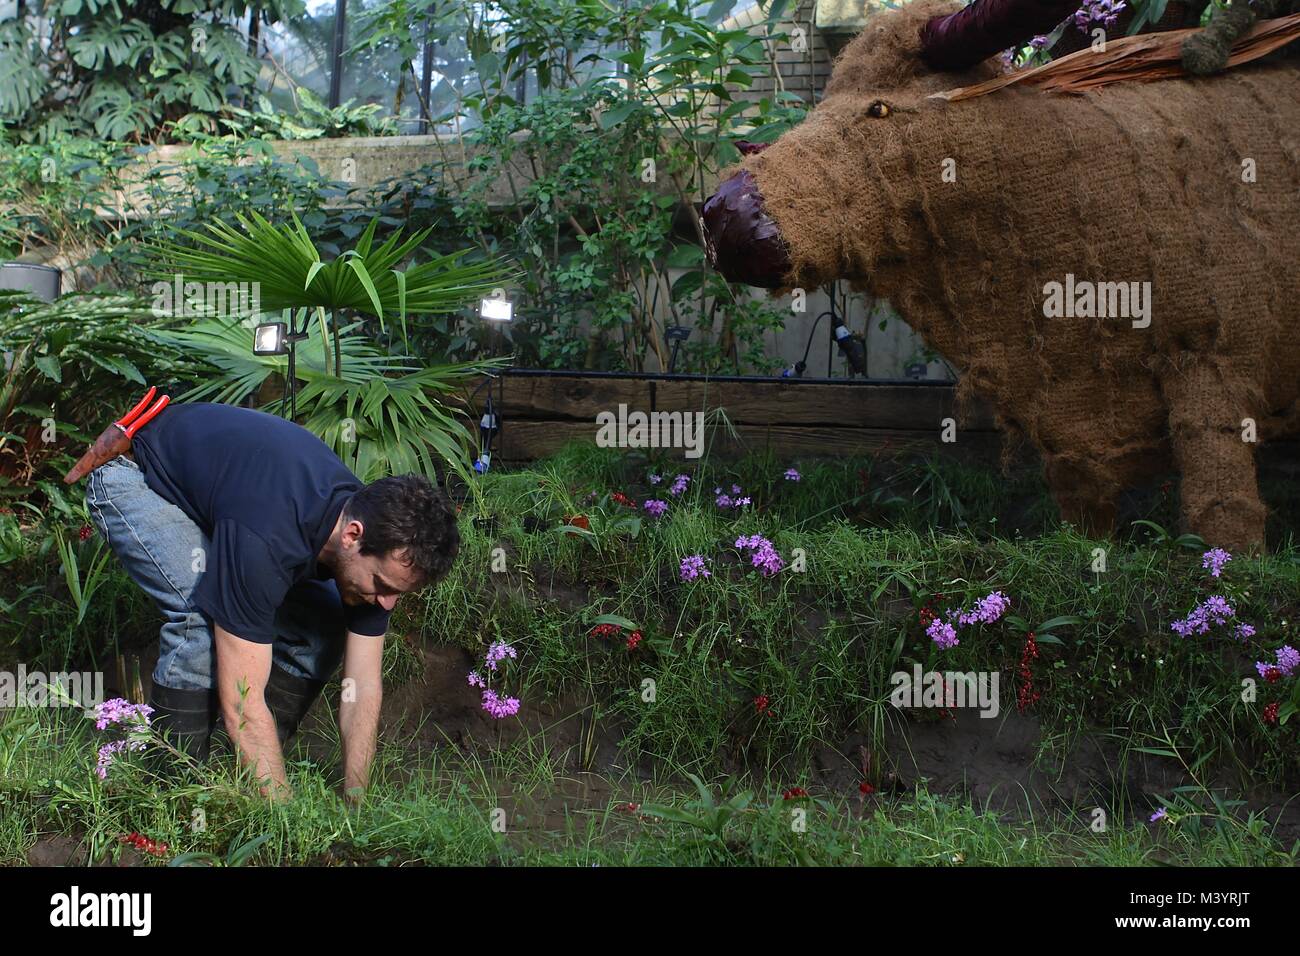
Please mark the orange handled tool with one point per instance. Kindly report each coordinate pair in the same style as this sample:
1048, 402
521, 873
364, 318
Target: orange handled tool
116, 438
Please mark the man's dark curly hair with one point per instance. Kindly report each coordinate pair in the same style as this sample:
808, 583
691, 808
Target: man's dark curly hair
407, 512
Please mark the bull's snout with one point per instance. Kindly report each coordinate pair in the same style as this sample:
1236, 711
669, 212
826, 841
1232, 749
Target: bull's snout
740, 238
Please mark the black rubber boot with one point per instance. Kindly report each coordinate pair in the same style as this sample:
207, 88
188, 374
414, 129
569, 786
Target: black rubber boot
289, 698
184, 718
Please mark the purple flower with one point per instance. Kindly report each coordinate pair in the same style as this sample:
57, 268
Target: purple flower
120, 711
943, 634
679, 485
733, 500
499, 707
1244, 631
655, 479
1159, 814
987, 610
1008, 58
1288, 659
693, 567
497, 653
1218, 609
475, 680
764, 557
1215, 559
792, 475
1105, 12
655, 508
1038, 42
1215, 610
108, 753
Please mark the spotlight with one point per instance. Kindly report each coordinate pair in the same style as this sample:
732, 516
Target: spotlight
277, 338
496, 308
270, 338
676, 334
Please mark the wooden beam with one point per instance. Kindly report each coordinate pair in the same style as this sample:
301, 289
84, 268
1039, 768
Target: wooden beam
524, 440
581, 398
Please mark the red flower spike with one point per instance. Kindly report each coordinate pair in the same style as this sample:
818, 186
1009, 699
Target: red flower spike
866, 788
795, 793
1270, 713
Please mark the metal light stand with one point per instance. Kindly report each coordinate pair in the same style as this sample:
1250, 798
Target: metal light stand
292, 338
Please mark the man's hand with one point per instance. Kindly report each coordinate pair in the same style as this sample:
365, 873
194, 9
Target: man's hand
363, 692
242, 670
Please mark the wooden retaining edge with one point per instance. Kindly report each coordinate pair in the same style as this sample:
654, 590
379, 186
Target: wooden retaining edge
542, 411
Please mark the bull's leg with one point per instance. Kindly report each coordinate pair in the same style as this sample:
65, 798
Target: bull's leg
1084, 490
1220, 495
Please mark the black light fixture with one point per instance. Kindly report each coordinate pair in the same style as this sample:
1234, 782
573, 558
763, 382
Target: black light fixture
676, 334
498, 311
279, 338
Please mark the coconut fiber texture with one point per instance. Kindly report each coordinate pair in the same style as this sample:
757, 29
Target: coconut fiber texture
961, 213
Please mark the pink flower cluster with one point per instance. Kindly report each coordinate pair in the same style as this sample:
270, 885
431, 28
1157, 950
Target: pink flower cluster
121, 711
493, 703
943, 634
764, 556
693, 567
733, 500
499, 707
133, 718
1288, 659
1214, 560
987, 610
1214, 610
1105, 12
108, 753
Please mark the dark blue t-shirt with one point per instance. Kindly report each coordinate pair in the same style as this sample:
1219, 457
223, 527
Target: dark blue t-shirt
267, 493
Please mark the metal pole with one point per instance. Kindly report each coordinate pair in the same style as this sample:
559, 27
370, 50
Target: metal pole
426, 79
336, 59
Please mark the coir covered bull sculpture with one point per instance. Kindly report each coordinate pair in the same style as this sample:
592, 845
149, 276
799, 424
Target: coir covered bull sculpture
1009, 229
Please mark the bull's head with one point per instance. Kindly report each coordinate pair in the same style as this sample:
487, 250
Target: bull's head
815, 204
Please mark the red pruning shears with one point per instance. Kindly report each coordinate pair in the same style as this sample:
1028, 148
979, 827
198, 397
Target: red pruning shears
116, 438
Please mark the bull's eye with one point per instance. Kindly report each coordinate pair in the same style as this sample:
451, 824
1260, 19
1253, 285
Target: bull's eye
878, 109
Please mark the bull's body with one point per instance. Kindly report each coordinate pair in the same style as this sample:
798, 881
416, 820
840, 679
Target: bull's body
1140, 182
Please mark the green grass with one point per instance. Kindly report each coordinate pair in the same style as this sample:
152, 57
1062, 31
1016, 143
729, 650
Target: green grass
471, 814
878, 537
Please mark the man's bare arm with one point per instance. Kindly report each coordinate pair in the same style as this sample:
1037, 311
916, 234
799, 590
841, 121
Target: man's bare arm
363, 693
242, 671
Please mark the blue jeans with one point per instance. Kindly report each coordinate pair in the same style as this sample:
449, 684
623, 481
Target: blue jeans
159, 546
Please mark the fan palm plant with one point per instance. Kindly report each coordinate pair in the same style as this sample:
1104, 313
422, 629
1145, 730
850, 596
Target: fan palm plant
290, 273
381, 416
71, 359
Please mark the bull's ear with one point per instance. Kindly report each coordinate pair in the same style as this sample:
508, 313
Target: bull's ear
886, 55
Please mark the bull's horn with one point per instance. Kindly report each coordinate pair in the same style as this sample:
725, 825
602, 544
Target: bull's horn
960, 40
